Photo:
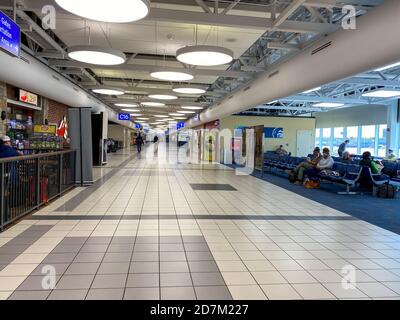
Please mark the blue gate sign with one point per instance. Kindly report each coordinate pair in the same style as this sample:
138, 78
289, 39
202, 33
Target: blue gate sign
180, 125
10, 35
138, 126
124, 116
274, 133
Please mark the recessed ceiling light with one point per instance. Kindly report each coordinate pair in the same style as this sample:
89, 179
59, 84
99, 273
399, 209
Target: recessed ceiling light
189, 90
203, 55
388, 67
140, 121
192, 107
161, 116
143, 118
163, 97
312, 90
174, 114
117, 11
96, 55
186, 111
136, 114
382, 93
131, 110
127, 105
328, 105
161, 120
180, 118
172, 76
153, 104
111, 92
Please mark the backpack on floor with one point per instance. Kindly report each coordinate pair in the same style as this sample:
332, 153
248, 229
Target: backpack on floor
312, 184
386, 191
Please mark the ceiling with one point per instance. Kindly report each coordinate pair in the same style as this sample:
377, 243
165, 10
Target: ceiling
259, 32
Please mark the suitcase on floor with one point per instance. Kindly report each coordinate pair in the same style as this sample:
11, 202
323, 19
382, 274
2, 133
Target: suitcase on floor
386, 191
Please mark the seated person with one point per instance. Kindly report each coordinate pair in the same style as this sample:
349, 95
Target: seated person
391, 156
346, 158
367, 161
6, 150
305, 165
325, 163
281, 151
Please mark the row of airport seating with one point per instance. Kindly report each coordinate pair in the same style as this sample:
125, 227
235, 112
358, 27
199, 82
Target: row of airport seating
349, 175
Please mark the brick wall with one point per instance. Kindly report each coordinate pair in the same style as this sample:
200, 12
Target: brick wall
56, 111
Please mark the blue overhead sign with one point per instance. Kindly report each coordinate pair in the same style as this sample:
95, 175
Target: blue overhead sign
124, 116
180, 125
138, 126
10, 35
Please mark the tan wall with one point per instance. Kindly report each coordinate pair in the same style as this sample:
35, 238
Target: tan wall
289, 125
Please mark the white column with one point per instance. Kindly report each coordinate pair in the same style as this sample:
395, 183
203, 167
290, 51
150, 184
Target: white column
392, 137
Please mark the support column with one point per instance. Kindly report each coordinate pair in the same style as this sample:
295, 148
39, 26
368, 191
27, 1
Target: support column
3, 107
392, 136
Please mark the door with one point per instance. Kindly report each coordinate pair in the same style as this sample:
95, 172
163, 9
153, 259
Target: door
305, 142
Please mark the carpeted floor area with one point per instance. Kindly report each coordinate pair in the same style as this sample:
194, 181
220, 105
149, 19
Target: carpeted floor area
384, 213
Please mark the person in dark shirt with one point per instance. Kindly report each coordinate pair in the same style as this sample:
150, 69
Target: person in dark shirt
342, 148
6, 150
139, 142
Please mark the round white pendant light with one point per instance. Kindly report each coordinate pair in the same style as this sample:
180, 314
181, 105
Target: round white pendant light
162, 97
189, 90
109, 91
186, 111
192, 107
172, 76
153, 104
116, 11
202, 55
96, 55
126, 105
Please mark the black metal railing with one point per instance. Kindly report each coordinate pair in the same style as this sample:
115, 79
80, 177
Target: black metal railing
27, 182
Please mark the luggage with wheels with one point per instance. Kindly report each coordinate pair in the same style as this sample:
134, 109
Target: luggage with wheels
386, 191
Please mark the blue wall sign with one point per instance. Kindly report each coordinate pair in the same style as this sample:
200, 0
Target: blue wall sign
10, 35
274, 133
180, 125
124, 116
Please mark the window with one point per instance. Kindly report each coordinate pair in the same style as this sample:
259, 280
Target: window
368, 139
338, 137
326, 138
382, 140
352, 136
317, 137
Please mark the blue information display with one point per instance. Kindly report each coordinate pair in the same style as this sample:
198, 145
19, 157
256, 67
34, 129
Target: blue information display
124, 116
10, 35
180, 125
138, 126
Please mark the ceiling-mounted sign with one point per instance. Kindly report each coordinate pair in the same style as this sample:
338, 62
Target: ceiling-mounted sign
10, 35
28, 97
124, 116
180, 125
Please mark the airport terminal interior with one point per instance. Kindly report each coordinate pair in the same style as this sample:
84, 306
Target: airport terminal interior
199, 150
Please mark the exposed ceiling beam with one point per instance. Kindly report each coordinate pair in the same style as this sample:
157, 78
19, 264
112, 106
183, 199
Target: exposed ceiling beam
371, 82
291, 8
230, 6
236, 21
281, 45
203, 6
316, 99
307, 109
149, 68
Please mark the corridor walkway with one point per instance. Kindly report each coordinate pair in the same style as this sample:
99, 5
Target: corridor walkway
152, 228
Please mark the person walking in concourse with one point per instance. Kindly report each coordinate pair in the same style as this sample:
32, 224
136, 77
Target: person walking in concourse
139, 142
156, 141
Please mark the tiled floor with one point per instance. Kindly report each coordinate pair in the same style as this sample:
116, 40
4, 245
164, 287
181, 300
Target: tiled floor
150, 228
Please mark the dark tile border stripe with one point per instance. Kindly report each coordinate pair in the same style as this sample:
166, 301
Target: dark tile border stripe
198, 217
